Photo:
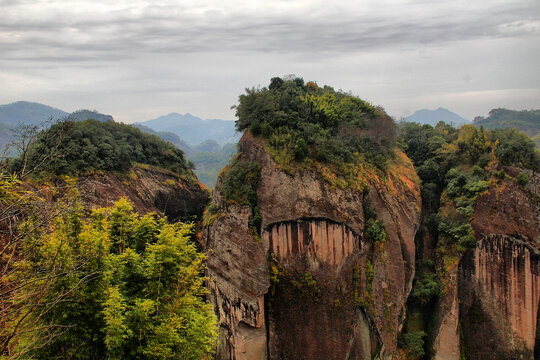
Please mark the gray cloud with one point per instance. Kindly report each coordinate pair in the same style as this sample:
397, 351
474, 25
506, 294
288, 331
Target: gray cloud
72, 36
133, 57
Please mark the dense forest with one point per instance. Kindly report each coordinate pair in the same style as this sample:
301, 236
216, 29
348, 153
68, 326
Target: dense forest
304, 121
102, 283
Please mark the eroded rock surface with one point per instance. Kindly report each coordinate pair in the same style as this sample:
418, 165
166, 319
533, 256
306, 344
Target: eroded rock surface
150, 190
497, 283
312, 288
499, 290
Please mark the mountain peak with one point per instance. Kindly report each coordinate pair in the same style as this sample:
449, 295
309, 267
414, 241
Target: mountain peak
432, 117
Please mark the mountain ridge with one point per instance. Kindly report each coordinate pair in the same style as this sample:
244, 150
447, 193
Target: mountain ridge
432, 117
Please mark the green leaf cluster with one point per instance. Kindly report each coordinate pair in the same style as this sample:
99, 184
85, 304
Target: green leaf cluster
413, 343
239, 183
124, 287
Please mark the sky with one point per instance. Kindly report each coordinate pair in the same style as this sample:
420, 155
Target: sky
140, 59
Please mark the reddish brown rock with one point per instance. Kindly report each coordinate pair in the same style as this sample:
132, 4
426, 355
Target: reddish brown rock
150, 190
505, 209
313, 250
499, 290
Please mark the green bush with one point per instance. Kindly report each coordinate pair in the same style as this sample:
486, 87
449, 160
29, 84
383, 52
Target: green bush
413, 343
522, 179
239, 182
426, 288
375, 230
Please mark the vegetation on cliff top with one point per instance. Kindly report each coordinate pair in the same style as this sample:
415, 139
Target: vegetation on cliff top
304, 121
88, 146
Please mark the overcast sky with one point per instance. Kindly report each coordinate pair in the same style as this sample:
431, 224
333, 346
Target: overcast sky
139, 59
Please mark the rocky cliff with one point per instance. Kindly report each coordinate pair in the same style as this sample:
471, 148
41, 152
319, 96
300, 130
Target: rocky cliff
308, 284
180, 198
490, 309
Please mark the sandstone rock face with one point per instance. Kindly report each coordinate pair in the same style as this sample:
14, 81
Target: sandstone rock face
499, 289
312, 287
150, 190
497, 283
447, 344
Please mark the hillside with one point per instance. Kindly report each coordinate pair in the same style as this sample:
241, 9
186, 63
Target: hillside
432, 117
82, 115
90, 146
208, 164
527, 121
167, 136
305, 218
28, 113
208, 157
195, 130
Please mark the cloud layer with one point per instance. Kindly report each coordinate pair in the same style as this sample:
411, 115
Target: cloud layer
116, 54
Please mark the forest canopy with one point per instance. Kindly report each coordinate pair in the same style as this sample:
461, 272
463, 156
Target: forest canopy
87, 146
307, 121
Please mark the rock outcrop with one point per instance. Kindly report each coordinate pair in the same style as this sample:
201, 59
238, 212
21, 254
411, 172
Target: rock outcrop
312, 286
497, 283
499, 290
150, 190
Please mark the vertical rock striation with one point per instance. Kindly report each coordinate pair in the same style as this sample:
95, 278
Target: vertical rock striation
500, 292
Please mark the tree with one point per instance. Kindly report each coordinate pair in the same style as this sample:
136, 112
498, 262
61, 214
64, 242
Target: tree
131, 287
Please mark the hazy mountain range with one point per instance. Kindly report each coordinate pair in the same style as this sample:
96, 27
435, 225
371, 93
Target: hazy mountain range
432, 117
194, 130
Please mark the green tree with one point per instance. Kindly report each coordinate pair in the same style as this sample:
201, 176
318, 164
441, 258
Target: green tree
132, 288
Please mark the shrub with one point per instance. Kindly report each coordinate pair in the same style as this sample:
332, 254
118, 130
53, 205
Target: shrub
375, 230
522, 179
413, 344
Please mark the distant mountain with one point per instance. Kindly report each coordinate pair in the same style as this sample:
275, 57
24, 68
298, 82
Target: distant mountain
82, 115
209, 157
167, 136
527, 121
35, 114
207, 146
6, 137
432, 117
28, 113
195, 130
208, 164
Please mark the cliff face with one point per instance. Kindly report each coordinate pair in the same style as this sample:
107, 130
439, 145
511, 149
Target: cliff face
499, 281
313, 287
149, 189
499, 289
497, 284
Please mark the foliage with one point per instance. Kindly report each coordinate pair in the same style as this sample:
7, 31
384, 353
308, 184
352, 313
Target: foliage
522, 179
455, 166
427, 288
239, 185
100, 146
413, 343
132, 288
317, 123
239, 182
375, 230
527, 121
